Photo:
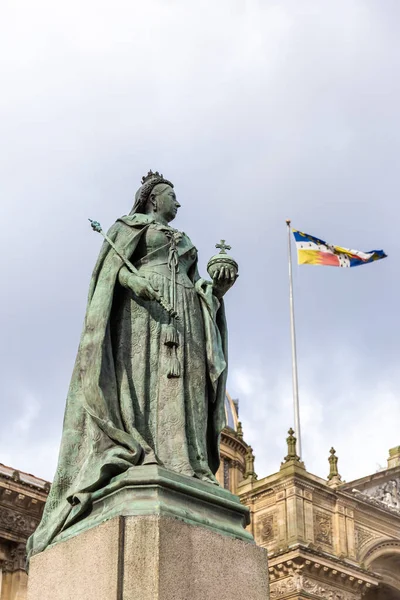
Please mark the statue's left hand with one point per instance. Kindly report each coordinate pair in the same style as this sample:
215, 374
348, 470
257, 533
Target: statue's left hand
223, 280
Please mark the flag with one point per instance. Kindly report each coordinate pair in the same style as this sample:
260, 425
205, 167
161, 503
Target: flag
314, 251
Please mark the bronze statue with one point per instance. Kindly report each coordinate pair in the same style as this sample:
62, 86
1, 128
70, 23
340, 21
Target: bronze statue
149, 379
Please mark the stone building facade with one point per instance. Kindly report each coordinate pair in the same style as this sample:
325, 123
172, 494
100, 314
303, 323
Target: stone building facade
22, 498
233, 449
326, 539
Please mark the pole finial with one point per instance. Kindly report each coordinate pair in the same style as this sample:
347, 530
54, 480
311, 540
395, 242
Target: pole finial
95, 226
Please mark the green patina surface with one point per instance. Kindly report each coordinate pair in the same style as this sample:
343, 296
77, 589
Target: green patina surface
147, 388
151, 489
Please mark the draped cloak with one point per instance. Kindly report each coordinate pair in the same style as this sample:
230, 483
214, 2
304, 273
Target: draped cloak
101, 436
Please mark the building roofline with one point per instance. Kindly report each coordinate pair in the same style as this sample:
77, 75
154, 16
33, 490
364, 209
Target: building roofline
23, 478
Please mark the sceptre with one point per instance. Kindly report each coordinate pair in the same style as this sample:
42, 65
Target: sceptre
97, 227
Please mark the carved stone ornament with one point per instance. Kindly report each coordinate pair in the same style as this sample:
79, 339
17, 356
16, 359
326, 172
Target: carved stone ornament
363, 536
18, 555
323, 528
388, 493
13, 521
299, 583
16, 560
267, 528
328, 592
279, 589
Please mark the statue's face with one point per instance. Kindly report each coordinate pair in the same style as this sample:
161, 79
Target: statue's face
166, 202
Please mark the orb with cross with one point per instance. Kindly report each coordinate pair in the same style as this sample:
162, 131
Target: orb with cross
222, 262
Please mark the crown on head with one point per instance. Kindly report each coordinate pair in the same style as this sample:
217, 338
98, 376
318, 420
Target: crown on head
150, 175
149, 182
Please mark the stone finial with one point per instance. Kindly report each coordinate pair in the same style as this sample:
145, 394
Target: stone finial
239, 430
334, 479
292, 457
16, 476
250, 473
394, 457
291, 443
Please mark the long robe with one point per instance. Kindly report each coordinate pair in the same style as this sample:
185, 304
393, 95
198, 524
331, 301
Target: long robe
122, 409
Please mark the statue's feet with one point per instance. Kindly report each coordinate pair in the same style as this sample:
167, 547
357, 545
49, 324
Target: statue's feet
207, 476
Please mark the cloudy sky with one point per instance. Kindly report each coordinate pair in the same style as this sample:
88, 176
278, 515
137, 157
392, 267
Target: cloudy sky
257, 110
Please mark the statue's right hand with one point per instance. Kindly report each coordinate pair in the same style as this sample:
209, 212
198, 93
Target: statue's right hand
142, 288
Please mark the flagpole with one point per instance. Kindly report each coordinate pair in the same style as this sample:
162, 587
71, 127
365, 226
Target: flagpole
294, 353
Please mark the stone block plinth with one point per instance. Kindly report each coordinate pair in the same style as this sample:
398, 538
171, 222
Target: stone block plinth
154, 535
149, 558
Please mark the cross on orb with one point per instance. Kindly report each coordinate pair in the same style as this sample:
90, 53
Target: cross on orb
223, 247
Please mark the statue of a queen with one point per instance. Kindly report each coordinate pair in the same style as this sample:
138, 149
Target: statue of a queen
147, 387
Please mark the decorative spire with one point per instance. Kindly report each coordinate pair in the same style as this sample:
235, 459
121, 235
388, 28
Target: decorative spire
250, 473
239, 431
291, 444
292, 457
334, 479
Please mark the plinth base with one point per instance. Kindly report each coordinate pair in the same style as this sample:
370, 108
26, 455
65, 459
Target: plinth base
150, 557
153, 490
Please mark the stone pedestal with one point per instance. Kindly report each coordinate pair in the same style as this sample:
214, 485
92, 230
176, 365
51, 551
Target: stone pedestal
154, 535
149, 558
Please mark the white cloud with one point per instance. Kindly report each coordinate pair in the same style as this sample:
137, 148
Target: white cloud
20, 447
258, 110
359, 418
29, 411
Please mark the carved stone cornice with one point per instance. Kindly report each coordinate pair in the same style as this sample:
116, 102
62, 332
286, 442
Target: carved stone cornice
24, 502
280, 486
252, 496
23, 479
301, 584
231, 439
300, 574
308, 556
297, 484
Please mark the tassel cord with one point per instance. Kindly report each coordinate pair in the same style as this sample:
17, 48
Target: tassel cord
172, 337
